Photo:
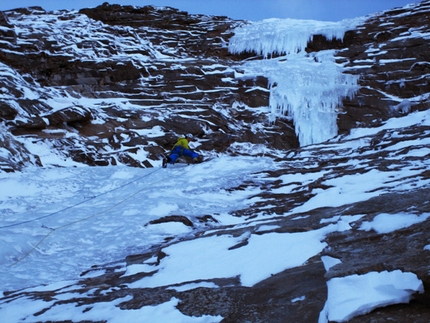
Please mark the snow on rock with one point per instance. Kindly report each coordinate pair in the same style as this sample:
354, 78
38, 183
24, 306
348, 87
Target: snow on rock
329, 262
260, 232
383, 223
108, 208
109, 312
206, 258
141, 83
355, 295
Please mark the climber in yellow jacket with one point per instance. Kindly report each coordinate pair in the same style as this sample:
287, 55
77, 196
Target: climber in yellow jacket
181, 148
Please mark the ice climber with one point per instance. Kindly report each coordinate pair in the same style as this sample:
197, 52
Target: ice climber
181, 148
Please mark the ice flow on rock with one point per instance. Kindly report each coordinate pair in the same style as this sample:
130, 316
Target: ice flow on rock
308, 88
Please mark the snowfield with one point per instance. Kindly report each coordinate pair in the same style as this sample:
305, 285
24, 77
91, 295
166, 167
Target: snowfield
58, 222
71, 214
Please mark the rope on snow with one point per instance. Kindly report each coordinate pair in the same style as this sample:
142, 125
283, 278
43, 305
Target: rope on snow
88, 217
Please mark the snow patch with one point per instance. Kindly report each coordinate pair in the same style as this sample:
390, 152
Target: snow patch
205, 258
360, 294
386, 223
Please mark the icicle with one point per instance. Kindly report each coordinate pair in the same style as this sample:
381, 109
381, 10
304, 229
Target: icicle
307, 88
310, 93
284, 36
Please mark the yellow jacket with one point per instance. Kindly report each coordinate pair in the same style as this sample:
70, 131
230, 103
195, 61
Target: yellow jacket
181, 142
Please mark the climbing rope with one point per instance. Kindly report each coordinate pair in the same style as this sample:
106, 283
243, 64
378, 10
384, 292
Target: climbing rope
91, 216
79, 203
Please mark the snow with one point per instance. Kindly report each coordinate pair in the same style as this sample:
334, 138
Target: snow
418, 117
384, 223
359, 294
356, 188
98, 197
108, 312
56, 223
329, 262
84, 205
54, 227
277, 251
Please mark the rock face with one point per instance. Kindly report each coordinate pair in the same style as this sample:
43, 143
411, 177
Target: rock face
169, 64
148, 68
112, 51
390, 53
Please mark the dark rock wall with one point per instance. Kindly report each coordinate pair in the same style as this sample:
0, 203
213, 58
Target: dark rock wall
391, 55
195, 95
202, 94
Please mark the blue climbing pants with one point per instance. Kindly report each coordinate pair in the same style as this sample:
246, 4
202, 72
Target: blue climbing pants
179, 151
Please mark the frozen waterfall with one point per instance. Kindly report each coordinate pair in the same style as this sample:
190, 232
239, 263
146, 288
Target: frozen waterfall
308, 88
